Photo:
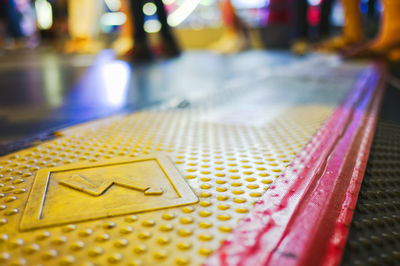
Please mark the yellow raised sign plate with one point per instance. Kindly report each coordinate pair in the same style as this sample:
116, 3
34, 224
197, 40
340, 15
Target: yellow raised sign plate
89, 191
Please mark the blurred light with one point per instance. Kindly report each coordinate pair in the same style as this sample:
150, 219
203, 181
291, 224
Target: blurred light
314, 2
113, 5
52, 78
169, 2
44, 14
181, 13
207, 2
149, 9
115, 76
152, 26
113, 19
337, 18
249, 3
313, 16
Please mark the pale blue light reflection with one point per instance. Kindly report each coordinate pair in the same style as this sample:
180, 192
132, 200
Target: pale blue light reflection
115, 76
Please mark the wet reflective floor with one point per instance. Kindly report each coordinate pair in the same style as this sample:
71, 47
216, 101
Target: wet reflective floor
43, 91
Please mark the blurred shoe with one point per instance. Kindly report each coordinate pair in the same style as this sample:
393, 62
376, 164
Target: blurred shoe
372, 50
335, 44
230, 42
300, 47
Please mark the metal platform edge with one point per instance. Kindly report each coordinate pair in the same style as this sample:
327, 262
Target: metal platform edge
304, 218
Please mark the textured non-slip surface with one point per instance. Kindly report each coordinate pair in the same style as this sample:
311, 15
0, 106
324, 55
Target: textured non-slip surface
374, 237
229, 147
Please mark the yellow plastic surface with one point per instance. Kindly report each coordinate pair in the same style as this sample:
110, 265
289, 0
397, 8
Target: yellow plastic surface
81, 198
227, 166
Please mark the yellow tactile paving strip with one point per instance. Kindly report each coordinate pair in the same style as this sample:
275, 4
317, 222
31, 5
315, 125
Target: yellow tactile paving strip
228, 172
227, 165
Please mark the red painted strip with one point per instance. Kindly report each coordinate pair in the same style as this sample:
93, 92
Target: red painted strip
302, 218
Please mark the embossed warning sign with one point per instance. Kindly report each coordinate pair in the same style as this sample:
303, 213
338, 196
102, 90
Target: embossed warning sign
90, 191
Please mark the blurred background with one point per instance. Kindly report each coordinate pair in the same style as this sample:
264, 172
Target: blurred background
197, 23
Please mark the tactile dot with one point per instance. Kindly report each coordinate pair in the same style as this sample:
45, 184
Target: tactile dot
136, 262
144, 235
184, 245
205, 251
168, 216
59, 240
148, 223
85, 232
95, 251
67, 260
31, 248
187, 209
163, 240
225, 229
4, 256
224, 217
115, 258
185, 232
77, 246
160, 255
18, 262
43, 235
15, 243
223, 207
166, 227
205, 237
102, 237
181, 261
9, 199
222, 197
140, 249
69, 228
121, 243
186, 220
126, 230
205, 213
205, 203
109, 225
205, 225
50, 254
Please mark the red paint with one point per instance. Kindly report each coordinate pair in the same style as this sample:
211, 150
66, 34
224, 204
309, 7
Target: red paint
303, 219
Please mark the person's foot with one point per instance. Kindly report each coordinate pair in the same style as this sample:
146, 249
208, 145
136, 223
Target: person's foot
336, 44
300, 47
229, 43
391, 53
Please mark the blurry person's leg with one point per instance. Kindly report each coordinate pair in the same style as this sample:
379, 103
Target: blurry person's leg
124, 43
325, 21
13, 20
141, 49
170, 45
352, 32
300, 44
388, 40
234, 36
83, 22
